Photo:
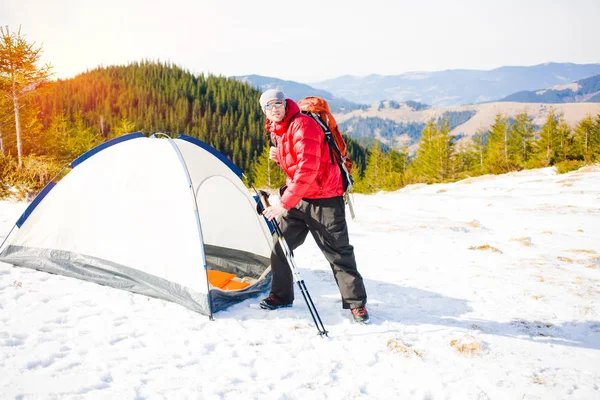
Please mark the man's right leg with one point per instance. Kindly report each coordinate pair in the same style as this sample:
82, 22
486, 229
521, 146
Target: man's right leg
294, 229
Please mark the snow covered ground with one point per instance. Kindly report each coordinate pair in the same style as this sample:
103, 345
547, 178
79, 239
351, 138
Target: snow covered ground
488, 288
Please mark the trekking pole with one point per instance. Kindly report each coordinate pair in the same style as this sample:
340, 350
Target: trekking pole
289, 255
350, 206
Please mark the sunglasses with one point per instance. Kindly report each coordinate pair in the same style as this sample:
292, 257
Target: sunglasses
277, 104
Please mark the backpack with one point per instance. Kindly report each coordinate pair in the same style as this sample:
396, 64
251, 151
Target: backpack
318, 109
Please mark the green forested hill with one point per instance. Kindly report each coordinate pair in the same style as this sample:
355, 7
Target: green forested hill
154, 97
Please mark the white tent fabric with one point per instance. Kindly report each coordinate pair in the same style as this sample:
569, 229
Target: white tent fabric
149, 215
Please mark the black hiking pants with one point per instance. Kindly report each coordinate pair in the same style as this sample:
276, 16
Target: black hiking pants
325, 219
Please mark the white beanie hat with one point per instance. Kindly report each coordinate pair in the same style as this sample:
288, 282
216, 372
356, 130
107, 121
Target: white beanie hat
271, 94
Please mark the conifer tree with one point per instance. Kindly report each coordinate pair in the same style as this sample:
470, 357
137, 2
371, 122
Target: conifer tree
434, 158
375, 173
520, 141
595, 140
123, 127
466, 161
586, 140
497, 160
56, 133
564, 141
546, 144
394, 170
479, 142
20, 75
80, 139
425, 163
266, 173
446, 151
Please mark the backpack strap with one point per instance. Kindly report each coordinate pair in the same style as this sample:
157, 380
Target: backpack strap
328, 137
347, 178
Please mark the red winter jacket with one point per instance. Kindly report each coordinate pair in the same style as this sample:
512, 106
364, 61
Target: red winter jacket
305, 158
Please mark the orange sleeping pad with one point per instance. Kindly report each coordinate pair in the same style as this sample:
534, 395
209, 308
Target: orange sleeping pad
223, 280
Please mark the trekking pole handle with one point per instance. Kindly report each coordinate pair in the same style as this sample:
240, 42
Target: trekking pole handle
264, 200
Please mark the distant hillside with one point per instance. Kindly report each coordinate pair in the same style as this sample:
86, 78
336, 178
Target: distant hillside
297, 91
395, 126
455, 87
583, 90
398, 133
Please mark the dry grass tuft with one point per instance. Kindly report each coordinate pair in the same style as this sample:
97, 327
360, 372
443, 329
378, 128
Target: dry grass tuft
474, 224
589, 168
539, 380
467, 181
547, 233
565, 259
525, 241
442, 191
485, 247
537, 297
540, 278
467, 345
397, 346
297, 327
580, 230
592, 252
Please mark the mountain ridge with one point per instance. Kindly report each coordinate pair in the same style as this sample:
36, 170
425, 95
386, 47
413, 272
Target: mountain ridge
581, 91
296, 90
455, 87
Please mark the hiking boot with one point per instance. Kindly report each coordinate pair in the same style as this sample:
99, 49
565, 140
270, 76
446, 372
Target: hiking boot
273, 303
361, 315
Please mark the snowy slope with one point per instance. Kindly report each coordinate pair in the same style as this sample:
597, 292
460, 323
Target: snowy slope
488, 288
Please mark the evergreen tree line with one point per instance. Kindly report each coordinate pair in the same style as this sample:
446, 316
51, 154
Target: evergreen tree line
156, 97
508, 145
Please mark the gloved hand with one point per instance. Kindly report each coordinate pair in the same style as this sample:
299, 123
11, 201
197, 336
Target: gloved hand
259, 205
273, 212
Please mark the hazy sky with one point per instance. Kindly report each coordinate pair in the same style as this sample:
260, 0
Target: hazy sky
308, 40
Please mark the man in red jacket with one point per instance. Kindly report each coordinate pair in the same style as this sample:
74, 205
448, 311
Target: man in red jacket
313, 202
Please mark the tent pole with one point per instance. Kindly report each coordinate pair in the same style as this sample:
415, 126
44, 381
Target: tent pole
6, 238
197, 215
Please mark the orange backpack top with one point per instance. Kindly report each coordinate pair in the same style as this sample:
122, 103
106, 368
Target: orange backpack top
318, 108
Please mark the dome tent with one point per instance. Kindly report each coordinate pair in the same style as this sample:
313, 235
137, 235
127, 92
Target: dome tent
167, 218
